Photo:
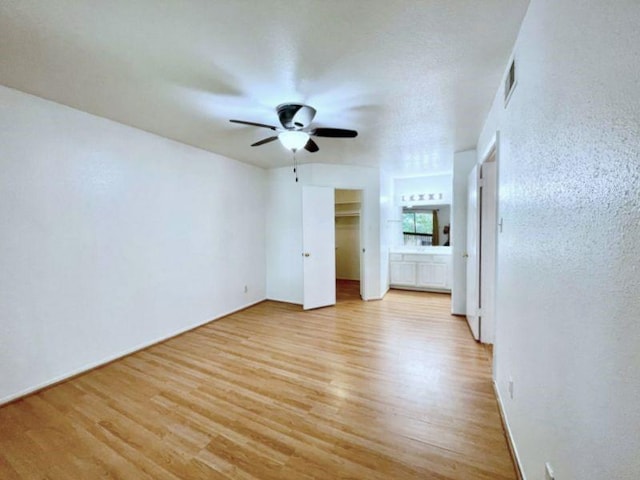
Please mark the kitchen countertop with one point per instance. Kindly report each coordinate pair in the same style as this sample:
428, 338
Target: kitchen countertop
421, 250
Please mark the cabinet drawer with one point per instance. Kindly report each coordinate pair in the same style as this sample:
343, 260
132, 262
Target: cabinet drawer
440, 258
395, 257
417, 258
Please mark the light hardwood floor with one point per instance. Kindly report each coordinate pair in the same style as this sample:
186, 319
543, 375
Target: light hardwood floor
394, 389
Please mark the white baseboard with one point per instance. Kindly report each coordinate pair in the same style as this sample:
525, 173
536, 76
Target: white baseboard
421, 289
512, 445
111, 358
284, 300
374, 299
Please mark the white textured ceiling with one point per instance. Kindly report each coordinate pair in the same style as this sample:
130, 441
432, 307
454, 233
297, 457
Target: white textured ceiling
414, 77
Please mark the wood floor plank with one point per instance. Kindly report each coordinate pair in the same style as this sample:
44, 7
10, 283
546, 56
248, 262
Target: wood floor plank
393, 389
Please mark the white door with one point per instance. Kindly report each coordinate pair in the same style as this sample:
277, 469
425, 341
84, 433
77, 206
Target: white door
318, 243
472, 253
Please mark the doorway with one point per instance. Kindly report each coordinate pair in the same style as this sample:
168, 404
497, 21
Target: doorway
348, 235
482, 230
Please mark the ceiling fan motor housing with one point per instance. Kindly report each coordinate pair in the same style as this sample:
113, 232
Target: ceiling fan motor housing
295, 116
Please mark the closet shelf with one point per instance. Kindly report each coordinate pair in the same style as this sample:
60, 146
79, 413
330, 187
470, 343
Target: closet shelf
347, 209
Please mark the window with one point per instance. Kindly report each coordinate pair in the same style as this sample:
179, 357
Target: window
417, 222
417, 227
510, 82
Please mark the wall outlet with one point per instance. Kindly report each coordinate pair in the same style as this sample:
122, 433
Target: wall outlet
511, 388
246, 289
548, 472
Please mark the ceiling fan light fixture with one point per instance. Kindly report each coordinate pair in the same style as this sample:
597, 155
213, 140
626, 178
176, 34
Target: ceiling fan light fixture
296, 131
293, 140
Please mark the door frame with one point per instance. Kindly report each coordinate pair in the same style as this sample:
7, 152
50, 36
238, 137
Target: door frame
363, 225
493, 150
360, 237
361, 247
364, 294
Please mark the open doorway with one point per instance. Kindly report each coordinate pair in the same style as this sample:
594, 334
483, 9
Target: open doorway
348, 235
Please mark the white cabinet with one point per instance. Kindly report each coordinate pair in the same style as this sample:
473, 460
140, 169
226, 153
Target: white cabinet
420, 271
432, 275
403, 273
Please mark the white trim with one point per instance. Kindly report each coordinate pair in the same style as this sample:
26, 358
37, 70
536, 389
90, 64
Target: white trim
111, 358
492, 145
375, 299
495, 150
512, 444
416, 288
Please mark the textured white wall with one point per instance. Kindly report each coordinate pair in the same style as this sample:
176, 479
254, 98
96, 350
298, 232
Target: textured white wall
113, 238
568, 301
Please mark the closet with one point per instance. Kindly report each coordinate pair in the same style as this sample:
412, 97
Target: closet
347, 224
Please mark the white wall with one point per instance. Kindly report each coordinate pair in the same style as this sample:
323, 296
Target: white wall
463, 162
113, 238
436, 184
568, 301
284, 213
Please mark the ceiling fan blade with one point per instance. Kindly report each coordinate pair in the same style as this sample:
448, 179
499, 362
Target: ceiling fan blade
333, 132
271, 127
311, 146
264, 140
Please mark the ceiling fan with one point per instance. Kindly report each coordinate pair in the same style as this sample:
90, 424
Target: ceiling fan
296, 131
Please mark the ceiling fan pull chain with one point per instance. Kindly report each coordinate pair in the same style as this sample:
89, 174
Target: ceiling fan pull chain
295, 164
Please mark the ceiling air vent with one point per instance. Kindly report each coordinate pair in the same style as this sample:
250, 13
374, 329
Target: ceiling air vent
510, 82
